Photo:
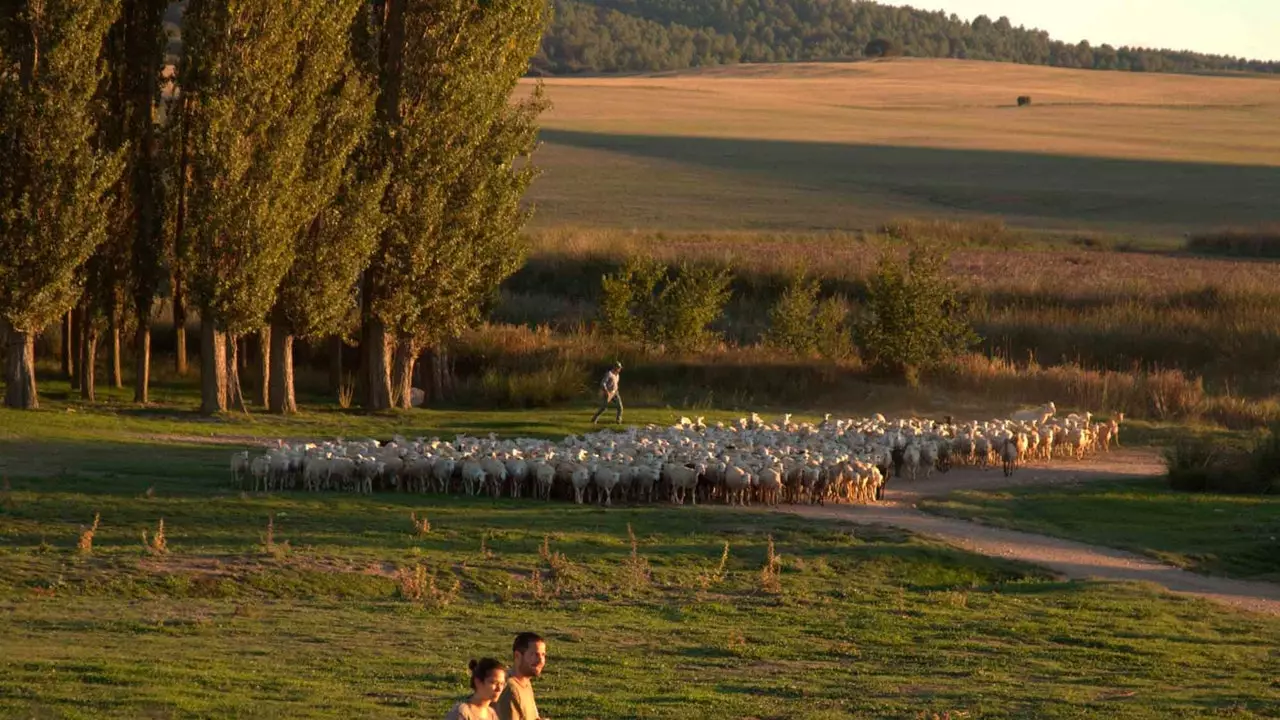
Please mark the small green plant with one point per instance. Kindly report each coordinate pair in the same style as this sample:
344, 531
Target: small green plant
913, 319
85, 545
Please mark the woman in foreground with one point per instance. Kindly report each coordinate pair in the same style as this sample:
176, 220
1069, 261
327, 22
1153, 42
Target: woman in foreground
488, 677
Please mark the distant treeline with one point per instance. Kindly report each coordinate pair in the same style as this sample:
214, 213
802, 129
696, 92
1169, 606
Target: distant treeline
604, 36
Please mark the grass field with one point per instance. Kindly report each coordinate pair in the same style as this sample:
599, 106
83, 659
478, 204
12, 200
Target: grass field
326, 615
1217, 534
843, 146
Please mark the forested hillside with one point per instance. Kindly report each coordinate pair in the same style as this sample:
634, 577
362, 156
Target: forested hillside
604, 36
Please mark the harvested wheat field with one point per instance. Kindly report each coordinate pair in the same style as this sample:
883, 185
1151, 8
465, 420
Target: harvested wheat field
840, 146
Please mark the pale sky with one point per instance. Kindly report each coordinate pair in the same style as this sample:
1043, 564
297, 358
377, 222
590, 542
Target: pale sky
1249, 28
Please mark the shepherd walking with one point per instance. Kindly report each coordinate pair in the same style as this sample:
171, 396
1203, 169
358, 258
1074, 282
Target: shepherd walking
609, 392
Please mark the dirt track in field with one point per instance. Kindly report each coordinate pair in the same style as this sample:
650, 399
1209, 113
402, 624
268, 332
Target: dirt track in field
1065, 557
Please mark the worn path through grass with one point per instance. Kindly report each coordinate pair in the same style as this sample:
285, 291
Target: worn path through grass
1233, 535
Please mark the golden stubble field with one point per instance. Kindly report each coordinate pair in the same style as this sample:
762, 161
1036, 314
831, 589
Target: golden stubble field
845, 146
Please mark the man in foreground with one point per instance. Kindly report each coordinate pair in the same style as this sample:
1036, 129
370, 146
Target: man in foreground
609, 392
529, 656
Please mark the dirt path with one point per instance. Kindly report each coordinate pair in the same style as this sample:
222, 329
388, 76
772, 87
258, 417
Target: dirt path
1068, 558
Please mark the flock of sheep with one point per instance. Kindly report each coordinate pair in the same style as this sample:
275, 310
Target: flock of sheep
748, 461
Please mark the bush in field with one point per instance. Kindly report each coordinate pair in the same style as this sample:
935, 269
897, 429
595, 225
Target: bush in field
913, 319
791, 325
834, 336
689, 303
1202, 465
646, 301
801, 323
627, 297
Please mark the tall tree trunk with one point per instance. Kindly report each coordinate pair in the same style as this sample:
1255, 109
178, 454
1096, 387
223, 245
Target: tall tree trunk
335, 364
142, 359
281, 398
117, 374
77, 341
179, 252
266, 336
402, 372
235, 393
68, 361
180, 328
89, 360
19, 368
376, 369
439, 383
213, 367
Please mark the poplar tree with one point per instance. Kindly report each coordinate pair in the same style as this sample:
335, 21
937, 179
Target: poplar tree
136, 56
455, 151
55, 177
256, 87
339, 200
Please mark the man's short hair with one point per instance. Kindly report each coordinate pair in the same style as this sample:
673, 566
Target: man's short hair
526, 640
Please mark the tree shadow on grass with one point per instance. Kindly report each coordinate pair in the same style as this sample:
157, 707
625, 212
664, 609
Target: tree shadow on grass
1036, 186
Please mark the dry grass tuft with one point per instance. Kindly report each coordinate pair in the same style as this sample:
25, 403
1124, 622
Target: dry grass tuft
159, 544
412, 583
771, 573
419, 585
85, 545
421, 526
536, 588
708, 580
636, 573
565, 576
346, 391
269, 543
485, 552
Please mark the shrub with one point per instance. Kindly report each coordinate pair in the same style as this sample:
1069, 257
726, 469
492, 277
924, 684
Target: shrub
645, 302
1263, 242
791, 319
690, 303
627, 297
802, 323
1200, 465
913, 320
833, 336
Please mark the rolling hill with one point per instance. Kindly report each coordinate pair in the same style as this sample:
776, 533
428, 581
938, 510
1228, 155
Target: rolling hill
848, 145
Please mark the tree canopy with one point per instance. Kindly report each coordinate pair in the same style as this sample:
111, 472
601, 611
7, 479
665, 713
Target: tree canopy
653, 35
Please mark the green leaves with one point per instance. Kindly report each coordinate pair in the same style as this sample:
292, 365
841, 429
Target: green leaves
913, 320
456, 152
645, 302
54, 180
277, 109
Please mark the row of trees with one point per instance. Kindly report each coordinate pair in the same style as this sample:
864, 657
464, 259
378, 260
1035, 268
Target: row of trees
912, 318
654, 35
309, 160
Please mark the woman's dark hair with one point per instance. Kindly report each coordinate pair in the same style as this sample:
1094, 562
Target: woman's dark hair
483, 668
